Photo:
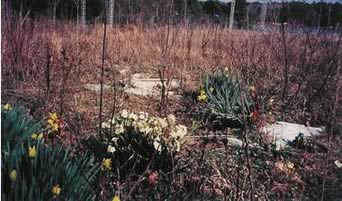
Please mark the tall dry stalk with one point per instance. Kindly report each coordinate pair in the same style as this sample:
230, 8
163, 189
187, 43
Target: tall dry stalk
285, 65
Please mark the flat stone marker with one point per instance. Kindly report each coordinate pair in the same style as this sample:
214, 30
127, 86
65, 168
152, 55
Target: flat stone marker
283, 132
139, 85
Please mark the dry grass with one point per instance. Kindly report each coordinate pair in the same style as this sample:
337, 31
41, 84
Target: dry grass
74, 57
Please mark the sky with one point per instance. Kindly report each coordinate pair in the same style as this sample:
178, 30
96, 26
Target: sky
309, 1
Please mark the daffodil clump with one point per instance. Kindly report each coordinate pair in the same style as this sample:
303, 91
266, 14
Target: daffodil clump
163, 133
224, 101
33, 170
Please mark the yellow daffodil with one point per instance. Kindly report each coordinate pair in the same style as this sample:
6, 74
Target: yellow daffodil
34, 136
116, 198
202, 97
40, 136
54, 127
32, 151
211, 89
13, 175
107, 164
51, 122
53, 116
7, 106
56, 190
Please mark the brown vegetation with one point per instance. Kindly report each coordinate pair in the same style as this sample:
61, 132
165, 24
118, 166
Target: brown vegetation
38, 58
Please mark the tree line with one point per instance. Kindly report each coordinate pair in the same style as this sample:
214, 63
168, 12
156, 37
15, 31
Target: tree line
158, 11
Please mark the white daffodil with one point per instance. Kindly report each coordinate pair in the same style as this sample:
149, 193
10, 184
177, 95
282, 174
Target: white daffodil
338, 164
171, 120
111, 149
105, 125
177, 146
148, 130
132, 116
173, 133
115, 140
162, 123
179, 131
157, 145
141, 126
124, 114
143, 115
119, 129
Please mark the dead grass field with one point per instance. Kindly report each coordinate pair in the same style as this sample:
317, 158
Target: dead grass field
36, 53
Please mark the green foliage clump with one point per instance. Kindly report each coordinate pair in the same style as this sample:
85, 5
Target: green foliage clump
222, 98
33, 170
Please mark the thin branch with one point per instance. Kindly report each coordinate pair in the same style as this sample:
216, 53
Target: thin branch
339, 76
102, 72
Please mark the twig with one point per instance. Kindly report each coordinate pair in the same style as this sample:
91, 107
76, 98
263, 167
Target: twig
141, 176
246, 148
102, 71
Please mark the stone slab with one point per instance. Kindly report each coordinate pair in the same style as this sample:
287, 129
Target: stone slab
284, 132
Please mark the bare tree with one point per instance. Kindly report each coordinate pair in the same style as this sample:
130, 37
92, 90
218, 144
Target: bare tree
110, 16
263, 14
77, 2
54, 10
185, 10
320, 15
329, 14
83, 12
232, 13
55, 4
